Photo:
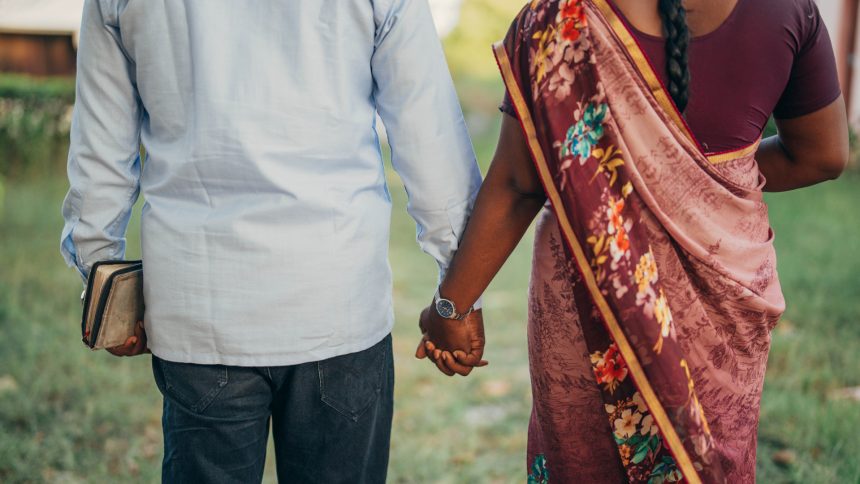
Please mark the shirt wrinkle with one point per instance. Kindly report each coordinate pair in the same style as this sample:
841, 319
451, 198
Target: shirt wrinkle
234, 272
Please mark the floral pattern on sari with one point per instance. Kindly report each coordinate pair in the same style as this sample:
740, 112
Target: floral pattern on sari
609, 367
588, 168
560, 49
640, 444
610, 259
539, 473
583, 136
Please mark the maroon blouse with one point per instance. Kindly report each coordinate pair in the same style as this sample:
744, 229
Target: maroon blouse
768, 57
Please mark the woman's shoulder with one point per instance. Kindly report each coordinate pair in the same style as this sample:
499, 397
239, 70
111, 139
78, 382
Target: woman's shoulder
521, 22
536, 16
797, 21
782, 9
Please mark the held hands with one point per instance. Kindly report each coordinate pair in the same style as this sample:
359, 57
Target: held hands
134, 345
454, 346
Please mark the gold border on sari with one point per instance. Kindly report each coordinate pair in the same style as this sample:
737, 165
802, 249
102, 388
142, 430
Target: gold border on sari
646, 70
636, 370
734, 154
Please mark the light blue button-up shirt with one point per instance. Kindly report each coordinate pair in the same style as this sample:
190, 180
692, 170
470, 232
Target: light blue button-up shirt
266, 223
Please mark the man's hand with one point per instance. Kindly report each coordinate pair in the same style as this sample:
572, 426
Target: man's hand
134, 345
455, 346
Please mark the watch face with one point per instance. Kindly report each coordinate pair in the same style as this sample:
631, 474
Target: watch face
445, 308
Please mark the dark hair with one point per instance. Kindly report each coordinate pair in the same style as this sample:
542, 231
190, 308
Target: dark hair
677, 40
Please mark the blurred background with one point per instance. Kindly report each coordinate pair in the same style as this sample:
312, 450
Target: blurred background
69, 415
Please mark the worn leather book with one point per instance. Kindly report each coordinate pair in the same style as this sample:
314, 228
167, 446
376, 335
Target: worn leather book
113, 303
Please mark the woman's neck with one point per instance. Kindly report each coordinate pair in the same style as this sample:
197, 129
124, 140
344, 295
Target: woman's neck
703, 16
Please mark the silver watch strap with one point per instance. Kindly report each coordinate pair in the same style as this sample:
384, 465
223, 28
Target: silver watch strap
456, 316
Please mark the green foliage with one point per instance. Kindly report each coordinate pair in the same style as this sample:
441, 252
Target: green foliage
469, 46
854, 152
769, 128
34, 120
13, 86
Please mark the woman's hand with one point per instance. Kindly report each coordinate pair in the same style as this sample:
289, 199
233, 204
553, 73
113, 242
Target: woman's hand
509, 199
454, 346
134, 345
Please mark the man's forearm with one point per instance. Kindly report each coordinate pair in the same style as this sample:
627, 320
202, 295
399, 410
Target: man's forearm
104, 148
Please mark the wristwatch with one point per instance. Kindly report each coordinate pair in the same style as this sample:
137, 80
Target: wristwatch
447, 309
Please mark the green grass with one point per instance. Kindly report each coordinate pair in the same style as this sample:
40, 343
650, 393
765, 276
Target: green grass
816, 347
67, 415
70, 415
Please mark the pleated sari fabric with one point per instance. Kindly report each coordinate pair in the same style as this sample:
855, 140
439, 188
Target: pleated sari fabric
654, 285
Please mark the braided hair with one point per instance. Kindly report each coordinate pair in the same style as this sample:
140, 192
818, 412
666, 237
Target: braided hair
677, 40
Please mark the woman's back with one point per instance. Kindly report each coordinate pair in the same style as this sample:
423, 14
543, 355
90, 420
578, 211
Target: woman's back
761, 57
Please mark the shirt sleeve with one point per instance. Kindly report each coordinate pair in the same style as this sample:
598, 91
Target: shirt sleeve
430, 147
104, 151
813, 83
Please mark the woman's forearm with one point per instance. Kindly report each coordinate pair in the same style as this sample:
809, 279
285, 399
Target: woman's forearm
499, 220
507, 203
783, 173
809, 149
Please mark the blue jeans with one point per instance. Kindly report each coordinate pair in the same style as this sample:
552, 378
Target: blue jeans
331, 420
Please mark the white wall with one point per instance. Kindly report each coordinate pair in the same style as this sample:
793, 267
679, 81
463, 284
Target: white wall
41, 16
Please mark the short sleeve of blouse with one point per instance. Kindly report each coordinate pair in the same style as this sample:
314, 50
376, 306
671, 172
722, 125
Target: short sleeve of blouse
507, 105
813, 83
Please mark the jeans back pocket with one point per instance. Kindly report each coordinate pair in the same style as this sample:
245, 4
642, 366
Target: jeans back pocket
192, 386
351, 383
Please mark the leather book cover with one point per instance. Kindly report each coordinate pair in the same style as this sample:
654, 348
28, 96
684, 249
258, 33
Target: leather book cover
113, 303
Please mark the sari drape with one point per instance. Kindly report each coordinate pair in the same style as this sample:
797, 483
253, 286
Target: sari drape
674, 284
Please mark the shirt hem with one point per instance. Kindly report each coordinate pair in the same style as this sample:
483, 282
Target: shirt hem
280, 359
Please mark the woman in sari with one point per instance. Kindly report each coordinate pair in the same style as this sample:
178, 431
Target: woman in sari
635, 131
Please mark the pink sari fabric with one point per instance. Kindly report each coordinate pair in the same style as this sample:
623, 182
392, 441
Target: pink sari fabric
654, 285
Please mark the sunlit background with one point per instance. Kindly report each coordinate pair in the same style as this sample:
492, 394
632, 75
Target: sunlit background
69, 415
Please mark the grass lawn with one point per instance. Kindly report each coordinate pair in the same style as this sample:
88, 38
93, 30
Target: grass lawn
69, 415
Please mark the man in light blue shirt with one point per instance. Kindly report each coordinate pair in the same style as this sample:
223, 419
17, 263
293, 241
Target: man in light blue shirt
266, 222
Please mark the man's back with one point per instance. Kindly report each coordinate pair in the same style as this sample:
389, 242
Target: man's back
265, 228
